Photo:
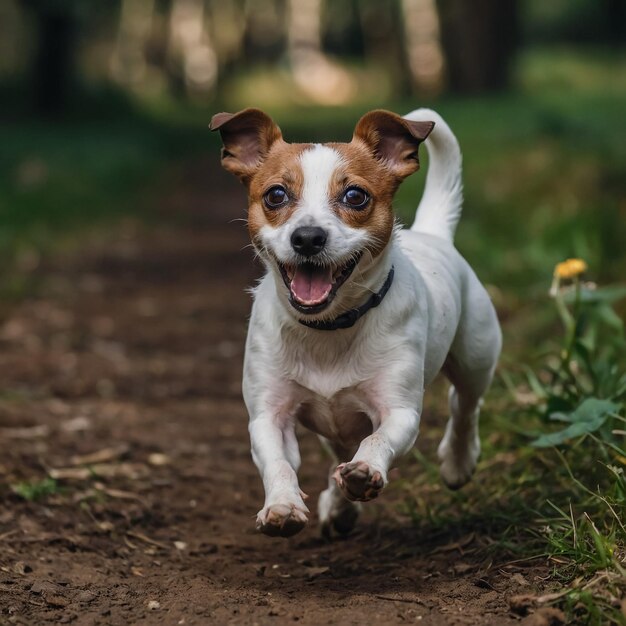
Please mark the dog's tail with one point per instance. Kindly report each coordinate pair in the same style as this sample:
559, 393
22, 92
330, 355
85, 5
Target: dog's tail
439, 211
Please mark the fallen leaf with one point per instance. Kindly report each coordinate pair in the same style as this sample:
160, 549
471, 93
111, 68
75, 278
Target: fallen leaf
142, 537
70, 473
103, 470
522, 602
314, 572
545, 616
456, 545
28, 432
463, 568
44, 586
76, 424
86, 596
56, 601
100, 456
117, 493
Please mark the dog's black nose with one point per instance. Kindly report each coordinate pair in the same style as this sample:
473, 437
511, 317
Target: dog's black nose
308, 240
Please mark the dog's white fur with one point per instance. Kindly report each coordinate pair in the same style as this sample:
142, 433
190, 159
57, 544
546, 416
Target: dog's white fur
361, 389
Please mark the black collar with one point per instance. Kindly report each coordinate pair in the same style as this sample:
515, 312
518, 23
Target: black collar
352, 316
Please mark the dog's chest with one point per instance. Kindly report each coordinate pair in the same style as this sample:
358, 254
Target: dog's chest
345, 418
334, 391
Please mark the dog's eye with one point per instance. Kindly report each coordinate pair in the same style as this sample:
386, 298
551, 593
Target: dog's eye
275, 197
355, 198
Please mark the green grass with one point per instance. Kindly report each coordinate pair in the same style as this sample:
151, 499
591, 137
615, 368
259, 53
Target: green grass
36, 490
530, 506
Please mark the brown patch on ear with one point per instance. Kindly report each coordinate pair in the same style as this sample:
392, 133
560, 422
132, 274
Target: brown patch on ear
247, 137
394, 140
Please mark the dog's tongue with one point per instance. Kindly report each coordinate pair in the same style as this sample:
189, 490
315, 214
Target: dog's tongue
311, 284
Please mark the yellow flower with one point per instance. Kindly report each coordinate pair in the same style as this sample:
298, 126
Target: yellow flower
570, 268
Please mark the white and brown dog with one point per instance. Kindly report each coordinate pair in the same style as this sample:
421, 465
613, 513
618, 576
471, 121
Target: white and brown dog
355, 317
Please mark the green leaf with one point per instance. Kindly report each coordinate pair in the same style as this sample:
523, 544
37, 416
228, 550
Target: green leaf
534, 383
559, 416
587, 418
610, 318
591, 409
602, 294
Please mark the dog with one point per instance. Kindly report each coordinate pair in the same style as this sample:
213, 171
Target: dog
355, 316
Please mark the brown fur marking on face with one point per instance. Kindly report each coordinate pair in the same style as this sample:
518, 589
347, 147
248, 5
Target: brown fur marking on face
361, 167
281, 167
363, 170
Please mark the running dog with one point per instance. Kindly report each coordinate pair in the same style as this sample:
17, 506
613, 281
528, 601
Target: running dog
355, 316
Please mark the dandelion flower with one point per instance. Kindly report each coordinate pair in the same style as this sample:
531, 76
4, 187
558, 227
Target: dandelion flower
570, 268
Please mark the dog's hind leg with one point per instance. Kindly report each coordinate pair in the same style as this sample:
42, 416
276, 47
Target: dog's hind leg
460, 447
469, 367
335, 511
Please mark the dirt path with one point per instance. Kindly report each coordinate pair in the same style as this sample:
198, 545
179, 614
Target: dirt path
132, 349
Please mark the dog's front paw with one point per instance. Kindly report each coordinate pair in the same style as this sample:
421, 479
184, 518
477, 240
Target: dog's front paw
282, 519
358, 481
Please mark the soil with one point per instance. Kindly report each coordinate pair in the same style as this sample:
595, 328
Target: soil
121, 378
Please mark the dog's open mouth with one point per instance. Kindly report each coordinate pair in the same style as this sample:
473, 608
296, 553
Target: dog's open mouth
312, 287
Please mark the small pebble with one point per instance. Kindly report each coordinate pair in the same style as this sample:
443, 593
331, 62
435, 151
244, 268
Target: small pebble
159, 459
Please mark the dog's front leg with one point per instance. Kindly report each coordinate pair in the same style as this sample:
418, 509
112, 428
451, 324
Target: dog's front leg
275, 453
364, 477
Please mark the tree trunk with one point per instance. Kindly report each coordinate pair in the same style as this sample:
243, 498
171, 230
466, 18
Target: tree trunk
129, 63
423, 45
384, 42
479, 40
192, 59
52, 73
615, 11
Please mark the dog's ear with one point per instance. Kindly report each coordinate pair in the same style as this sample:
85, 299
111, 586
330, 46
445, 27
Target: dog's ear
247, 137
394, 140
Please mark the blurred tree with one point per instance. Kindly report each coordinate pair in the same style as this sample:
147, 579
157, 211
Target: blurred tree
479, 39
423, 45
384, 41
192, 58
265, 30
129, 62
228, 27
56, 32
318, 76
342, 30
616, 21
575, 22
